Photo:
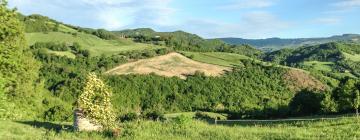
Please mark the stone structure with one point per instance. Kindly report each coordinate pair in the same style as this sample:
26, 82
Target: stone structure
81, 123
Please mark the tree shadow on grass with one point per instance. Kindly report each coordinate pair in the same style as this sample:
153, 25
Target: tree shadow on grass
48, 125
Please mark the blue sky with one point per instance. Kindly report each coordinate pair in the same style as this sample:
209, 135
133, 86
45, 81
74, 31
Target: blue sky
207, 18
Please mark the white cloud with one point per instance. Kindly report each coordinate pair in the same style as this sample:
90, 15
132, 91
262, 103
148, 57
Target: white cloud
109, 14
327, 20
343, 6
252, 25
113, 18
247, 4
348, 3
116, 14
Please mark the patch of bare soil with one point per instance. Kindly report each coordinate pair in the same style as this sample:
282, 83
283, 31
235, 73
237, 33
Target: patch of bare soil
298, 80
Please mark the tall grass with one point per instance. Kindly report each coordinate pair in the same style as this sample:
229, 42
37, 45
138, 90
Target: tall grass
344, 128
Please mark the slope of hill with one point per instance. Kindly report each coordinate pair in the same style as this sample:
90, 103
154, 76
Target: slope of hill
296, 79
172, 64
278, 43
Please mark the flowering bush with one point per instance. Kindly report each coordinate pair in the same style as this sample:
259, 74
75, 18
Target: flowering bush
95, 102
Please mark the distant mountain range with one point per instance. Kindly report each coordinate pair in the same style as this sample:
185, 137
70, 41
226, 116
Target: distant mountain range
278, 43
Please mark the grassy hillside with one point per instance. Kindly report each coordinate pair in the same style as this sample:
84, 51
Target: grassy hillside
352, 57
62, 53
346, 128
217, 58
95, 45
322, 66
172, 64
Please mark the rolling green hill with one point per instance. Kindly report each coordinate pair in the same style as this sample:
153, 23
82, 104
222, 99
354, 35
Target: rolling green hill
338, 60
278, 43
98, 41
183, 41
179, 40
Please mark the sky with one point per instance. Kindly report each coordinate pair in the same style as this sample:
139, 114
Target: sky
252, 19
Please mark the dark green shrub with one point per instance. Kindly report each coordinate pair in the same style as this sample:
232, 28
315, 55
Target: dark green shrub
154, 115
306, 102
129, 117
57, 113
209, 116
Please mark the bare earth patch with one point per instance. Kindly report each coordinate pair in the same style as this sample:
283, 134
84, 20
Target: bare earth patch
298, 80
172, 64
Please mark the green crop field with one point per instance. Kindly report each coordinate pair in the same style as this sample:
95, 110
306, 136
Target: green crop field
342, 128
95, 45
217, 58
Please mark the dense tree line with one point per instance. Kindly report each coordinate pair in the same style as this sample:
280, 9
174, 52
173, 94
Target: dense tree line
101, 33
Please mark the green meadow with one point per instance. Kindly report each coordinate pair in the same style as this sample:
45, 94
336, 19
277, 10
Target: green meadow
62, 53
317, 65
95, 45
